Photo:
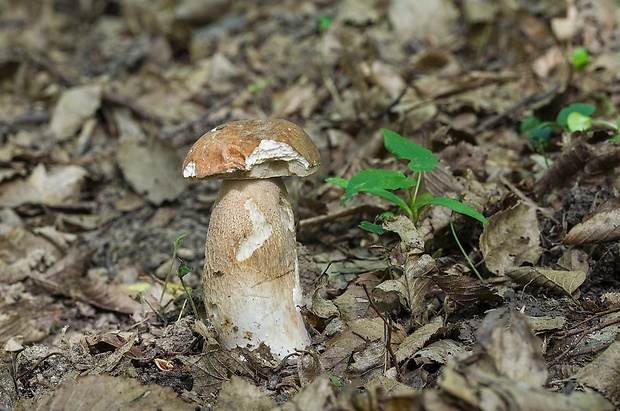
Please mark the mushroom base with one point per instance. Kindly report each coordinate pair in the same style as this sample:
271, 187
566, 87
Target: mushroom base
251, 279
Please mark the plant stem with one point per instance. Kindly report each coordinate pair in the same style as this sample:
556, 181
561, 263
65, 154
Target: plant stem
605, 123
471, 264
415, 196
174, 255
189, 297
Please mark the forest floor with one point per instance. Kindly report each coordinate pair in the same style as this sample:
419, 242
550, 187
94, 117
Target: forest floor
100, 101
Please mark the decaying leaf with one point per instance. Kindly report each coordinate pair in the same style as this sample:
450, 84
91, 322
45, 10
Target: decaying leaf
602, 225
417, 339
61, 185
603, 374
556, 281
507, 338
511, 238
105, 393
239, 394
151, 166
466, 290
484, 390
74, 107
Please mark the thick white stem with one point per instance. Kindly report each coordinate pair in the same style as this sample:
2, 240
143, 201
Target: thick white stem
251, 278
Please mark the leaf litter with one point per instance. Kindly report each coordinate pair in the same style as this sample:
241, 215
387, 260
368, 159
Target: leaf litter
92, 199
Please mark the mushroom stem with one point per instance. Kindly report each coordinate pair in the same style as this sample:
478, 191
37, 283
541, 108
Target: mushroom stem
251, 276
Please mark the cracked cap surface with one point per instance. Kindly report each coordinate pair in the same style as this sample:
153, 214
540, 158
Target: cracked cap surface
249, 149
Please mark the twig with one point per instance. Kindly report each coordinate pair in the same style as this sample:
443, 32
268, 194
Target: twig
389, 327
108, 97
201, 119
35, 365
496, 119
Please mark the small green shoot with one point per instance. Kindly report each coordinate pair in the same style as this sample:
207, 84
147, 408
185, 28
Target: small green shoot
382, 183
334, 380
575, 117
182, 271
177, 244
581, 58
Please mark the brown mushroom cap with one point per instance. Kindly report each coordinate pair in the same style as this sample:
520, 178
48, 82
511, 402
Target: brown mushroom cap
250, 149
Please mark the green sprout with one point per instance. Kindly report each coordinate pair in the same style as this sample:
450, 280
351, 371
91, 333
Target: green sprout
177, 244
382, 183
575, 117
182, 271
581, 58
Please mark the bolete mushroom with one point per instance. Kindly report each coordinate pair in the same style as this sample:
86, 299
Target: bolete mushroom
251, 277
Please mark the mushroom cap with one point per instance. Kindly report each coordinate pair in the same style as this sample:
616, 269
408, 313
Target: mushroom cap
250, 149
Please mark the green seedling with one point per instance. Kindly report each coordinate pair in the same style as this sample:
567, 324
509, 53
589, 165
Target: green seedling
382, 183
581, 58
176, 244
575, 117
182, 271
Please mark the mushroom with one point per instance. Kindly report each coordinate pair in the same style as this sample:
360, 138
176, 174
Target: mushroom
251, 277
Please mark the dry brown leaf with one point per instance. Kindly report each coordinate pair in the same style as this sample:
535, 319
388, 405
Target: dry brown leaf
59, 186
602, 225
417, 339
508, 339
466, 290
557, 281
74, 107
603, 374
240, 395
107, 393
511, 238
420, 21
482, 390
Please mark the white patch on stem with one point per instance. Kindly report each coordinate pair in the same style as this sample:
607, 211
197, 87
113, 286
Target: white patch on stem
261, 231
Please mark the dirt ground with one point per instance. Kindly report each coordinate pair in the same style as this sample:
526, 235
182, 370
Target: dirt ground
100, 101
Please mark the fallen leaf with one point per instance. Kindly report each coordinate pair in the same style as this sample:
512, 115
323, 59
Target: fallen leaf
511, 238
600, 226
603, 374
107, 393
516, 352
238, 394
59, 186
421, 21
558, 281
151, 166
74, 107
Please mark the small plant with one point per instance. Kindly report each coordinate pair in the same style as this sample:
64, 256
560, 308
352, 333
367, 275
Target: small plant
182, 272
382, 183
176, 245
575, 117
581, 58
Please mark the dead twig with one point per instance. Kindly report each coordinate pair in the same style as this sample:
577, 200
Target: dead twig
389, 327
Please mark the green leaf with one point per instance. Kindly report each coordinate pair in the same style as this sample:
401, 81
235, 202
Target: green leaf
578, 122
582, 108
183, 270
177, 242
420, 158
581, 58
539, 135
373, 228
324, 23
379, 192
340, 182
373, 179
427, 199
529, 123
